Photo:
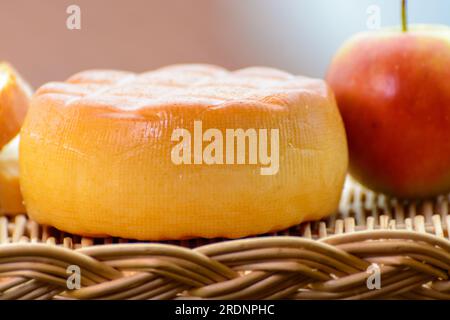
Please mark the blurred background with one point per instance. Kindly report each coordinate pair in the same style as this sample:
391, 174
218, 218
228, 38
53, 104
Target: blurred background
299, 36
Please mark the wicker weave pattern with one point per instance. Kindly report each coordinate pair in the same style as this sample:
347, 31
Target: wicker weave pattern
321, 260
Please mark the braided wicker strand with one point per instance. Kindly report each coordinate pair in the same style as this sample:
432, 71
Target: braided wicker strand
408, 241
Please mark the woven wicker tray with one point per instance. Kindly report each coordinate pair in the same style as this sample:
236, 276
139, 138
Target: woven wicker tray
409, 241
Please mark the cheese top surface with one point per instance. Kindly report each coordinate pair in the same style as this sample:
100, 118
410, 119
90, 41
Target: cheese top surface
180, 85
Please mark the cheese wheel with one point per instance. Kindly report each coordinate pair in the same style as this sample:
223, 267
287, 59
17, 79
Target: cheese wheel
11, 201
184, 151
14, 99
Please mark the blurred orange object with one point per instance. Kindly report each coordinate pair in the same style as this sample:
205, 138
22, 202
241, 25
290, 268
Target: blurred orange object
11, 201
15, 95
14, 99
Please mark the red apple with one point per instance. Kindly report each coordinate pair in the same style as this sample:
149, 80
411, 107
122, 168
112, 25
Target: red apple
393, 90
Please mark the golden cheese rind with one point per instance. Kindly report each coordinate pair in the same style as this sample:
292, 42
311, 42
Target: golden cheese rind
95, 153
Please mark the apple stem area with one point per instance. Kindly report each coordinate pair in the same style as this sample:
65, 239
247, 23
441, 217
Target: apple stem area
404, 18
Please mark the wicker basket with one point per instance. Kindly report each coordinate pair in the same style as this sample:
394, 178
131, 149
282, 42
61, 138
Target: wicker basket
331, 259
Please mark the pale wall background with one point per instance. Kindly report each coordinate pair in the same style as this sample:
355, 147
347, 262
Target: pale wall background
296, 35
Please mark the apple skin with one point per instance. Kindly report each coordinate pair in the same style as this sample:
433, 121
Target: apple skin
393, 91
